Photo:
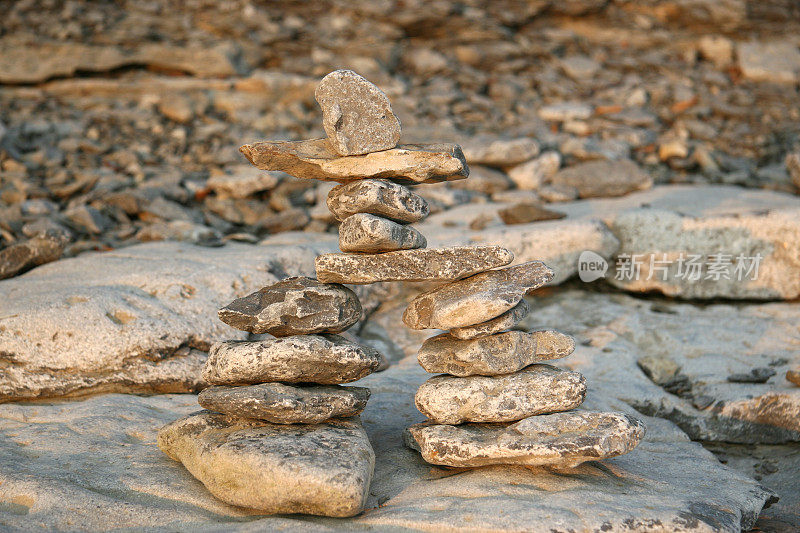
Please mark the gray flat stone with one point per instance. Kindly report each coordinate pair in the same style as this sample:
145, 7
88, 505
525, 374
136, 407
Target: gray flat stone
294, 306
377, 197
356, 115
500, 152
536, 390
319, 469
424, 264
327, 360
286, 404
370, 234
476, 299
604, 178
507, 320
501, 353
562, 440
316, 159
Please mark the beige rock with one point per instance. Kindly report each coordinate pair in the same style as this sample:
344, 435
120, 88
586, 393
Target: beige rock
356, 115
476, 299
532, 174
411, 265
243, 181
507, 320
319, 469
771, 61
484, 180
537, 390
23, 256
327, 360
286, 404
502, 353
294, 306
793, 168
377, 197
370, 234
500, 152
525, 213
559, 440
604, 178
316, 159
793, 376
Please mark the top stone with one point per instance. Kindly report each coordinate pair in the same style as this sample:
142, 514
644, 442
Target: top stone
294, 306
356, 114
316, 159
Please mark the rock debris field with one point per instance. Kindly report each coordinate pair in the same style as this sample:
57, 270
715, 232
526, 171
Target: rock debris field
507, 266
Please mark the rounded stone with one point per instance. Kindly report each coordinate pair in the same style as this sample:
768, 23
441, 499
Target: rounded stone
371, 234
507, 320
377, 197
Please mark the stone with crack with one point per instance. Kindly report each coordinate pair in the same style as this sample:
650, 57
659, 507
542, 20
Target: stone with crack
507, 320
371, 234
294, 306
356, 114
316, 159
423, 264
497, 354
323, 359
539, 389
377, 197
318, 469
562, 440
476, 299
285, 404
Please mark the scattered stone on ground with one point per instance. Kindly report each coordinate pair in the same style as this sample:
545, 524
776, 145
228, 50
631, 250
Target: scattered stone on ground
31, 253
530, 176
527, 213
424, 264
356, 115
495, 152
365, 233
377, 197
286, 404
595, 179
294, 306
536, 390
324, 359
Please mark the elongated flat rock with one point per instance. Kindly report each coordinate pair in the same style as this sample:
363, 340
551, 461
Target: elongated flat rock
539, 389
424, 264
319, 469
370, 234
294, 306
560, 440
377, 197
316, 159
323, 359
497, 354
356, 114
476, 299
507, 320
286, 404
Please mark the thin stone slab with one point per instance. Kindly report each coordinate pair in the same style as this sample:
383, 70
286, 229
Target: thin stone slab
323, 359
318, 469
370, 234
294, 306
497, 354
356, 114
539, 389
377, 197
558, 440
316, 159
476, 299
507, 320
286, 404
424, 264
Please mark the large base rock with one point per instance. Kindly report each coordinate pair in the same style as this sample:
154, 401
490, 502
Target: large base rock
320, 469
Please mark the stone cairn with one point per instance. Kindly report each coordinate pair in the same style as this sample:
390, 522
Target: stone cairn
281, 435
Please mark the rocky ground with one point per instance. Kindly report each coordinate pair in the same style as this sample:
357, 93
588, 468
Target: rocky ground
649, 128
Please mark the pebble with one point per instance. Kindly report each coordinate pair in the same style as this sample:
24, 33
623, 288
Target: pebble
316, 159
485, 180
423, 264
539, 389
558, 193
243, 181
275, 468
371, 234
529, 176
356, 114
476, 299
294, 306
377, 197
507, 320
495, 152
286, 404
602, 178
497, 354
562, 440
525, 213
776, 61
565, 111
793, 376
323, 359
22, 256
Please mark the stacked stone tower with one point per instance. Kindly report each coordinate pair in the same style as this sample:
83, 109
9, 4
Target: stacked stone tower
282, 435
